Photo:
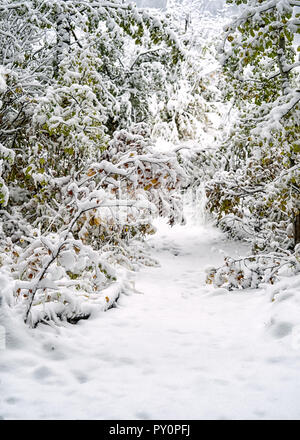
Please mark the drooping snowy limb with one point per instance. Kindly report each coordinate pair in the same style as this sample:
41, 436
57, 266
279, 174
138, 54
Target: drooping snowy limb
143, 54
35, 284
76, 309
252, 271
287, 68
262, 28
253, 9
278, 111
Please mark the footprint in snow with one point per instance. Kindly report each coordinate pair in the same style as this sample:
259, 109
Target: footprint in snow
280, 329
218, 292
42, 373
12, 400
81, 378
125, 360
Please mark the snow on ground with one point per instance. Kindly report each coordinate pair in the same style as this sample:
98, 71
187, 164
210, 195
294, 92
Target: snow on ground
179, 350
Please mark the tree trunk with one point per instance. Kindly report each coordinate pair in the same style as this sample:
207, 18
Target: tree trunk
297, 229
62, 39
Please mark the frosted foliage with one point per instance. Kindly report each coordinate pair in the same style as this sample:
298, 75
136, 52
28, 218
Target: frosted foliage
80, 178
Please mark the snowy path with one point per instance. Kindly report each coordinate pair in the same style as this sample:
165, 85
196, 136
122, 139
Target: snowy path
180, 350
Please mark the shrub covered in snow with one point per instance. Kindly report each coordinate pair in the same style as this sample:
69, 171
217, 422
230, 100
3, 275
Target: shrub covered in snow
79, 175
254, 193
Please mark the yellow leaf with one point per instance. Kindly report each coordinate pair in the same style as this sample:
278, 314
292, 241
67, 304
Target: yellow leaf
76, 249
97, 221
91, 172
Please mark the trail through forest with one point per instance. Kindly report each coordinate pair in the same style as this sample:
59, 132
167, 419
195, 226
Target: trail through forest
114, 119
179, 349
